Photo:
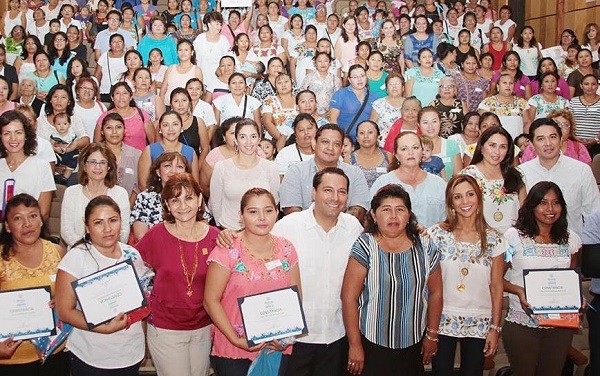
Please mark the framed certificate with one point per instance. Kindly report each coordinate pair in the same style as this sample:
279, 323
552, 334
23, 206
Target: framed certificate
236, 3
552, 290
108, 292
26, 314
272, 315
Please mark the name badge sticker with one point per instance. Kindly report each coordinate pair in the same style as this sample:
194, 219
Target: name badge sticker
273, 264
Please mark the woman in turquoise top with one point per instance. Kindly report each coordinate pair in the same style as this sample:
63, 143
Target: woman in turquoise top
157, 38
376, 75
429, 123
44, 76
60, 53
423, 81
303, 8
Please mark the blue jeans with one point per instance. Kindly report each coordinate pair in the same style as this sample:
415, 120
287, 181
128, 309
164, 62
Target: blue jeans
471, 356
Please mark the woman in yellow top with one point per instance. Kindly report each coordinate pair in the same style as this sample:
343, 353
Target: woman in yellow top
28, 261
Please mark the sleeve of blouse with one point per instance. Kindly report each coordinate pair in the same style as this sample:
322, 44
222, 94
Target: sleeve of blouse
408, 48
68, 216
574, 242
221, 256
138, 213
360, 251
144, 247
122, 199
274, 180
267, 107
433, 253
216, 190
500, 245
79, 128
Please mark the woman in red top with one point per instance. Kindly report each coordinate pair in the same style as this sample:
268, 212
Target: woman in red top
497, 47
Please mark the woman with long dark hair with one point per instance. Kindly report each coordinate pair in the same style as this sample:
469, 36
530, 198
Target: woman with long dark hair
540, 239
60, 53
501, 184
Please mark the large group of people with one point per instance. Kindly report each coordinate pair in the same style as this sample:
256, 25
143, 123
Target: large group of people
401, 164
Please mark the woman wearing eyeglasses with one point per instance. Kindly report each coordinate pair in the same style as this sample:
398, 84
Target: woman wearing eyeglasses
97, 176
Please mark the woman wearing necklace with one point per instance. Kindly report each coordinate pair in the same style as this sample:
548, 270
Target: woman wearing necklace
501, 184
417, 41
471, 259
370, 157
305, 129
257, 262
179, 339
279, 111
97, 175
540, 239
18, 162
232, 177
170, 126
116, 347
471, 88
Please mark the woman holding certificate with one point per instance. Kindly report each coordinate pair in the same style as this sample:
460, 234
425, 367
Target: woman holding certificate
540, 239
471, 258
28, 261
392, 263
257, 262
177, 250
117, 346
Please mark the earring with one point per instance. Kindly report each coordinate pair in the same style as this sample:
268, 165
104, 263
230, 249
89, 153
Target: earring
86, 237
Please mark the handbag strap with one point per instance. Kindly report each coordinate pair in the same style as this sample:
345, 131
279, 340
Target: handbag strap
245, 105
362, 107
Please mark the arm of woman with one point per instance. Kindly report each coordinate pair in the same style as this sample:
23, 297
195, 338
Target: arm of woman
165, 84
247, 19
205, 174
496, 292
352, 286
514, 289
68, 221
139, 230
149, 128
457, 161
195, 168
204, 144
98, 72
526, 121
408, 87
18, 63
531, 112
208, 97
374, 116
270, 125
509, 39
485, 48
527, 91
199, 74
144, 168
66, 307
408, 50
434, 313
217, 277
217, 183
218, 115
45, 201
257, 120
334, 114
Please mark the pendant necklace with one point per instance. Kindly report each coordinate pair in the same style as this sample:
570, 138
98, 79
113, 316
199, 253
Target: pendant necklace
189, 277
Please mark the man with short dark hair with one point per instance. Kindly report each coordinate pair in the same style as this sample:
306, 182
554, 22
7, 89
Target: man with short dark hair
323, 236
574, 178
296, 188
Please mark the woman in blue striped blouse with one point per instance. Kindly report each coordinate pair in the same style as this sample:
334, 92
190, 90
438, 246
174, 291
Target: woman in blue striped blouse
392, 291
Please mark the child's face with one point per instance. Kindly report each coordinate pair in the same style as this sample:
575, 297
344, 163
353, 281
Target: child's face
378, 16
62, 125
55, 27
426, 153
347, 147
522, 143
267, 148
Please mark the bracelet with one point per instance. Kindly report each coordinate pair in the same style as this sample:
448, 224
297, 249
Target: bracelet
497, 328
429, 330
431, 338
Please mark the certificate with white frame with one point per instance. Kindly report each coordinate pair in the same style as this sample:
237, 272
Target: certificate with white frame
552, 290
108, 292
26, 313
272, 315
236, 3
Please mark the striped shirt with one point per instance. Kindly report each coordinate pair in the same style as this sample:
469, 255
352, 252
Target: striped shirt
587, 118
393, 304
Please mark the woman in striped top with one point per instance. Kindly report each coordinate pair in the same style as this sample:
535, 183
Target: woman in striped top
391, 320
586, 112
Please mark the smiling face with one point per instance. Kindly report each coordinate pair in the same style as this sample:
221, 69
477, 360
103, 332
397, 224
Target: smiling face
548, 211
465, 201
96, 166
494, 150
328, 148
133, 61
330, 196
430, 124
13, 137
184, 208
247, 140
170, 127
546, 142
237, 85
170, 168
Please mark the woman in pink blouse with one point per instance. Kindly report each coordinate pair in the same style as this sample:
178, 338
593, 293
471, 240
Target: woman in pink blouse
257, 262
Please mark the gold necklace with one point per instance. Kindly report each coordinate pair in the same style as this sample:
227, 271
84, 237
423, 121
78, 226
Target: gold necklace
463, 268
189, 277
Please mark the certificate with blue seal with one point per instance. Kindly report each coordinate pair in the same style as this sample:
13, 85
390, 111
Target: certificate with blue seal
26, 313
552, 291
108, 292
272, 315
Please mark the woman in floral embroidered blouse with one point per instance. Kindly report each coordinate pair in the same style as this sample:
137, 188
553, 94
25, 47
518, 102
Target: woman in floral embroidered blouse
279, 111
471, 258
257, 262
540, 239
267, 48
501, 184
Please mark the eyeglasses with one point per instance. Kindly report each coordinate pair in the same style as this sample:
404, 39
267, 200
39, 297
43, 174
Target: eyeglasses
114, 19
60, 40
95, 163
355, 77
86, 88
447, 86
563, 124
394, 85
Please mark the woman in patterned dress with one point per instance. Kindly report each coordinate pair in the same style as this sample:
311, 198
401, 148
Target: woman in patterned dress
390, 45
471, 259
501, 184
